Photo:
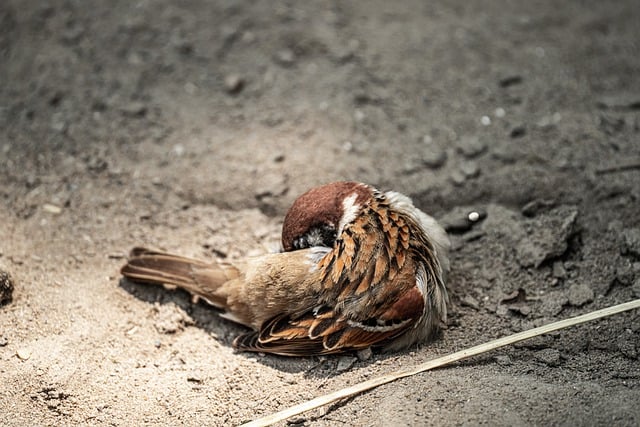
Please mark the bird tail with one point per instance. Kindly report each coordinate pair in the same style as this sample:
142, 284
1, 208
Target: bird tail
201, 279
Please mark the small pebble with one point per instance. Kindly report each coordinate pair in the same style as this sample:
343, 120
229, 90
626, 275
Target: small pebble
434, 157
503, 360
3, 341
116, 255
52, 209
194, 378
459, 219
625, 101
134, 109
190, 88
558, 270
485, 120
470, 169
536, 206
470, 301
23, 354
285, 57
364, 354
511, 80
457, 177
518, 131
345, 362
178, 150
580, 294
549, 356
522, 309
6, 287
471, 146
233, 84
625, 274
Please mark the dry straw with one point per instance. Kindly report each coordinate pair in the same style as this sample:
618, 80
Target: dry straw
441, 361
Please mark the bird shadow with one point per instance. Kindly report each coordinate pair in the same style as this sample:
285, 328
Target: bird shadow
206, 317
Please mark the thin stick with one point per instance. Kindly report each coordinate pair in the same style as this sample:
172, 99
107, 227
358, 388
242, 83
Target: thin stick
441, 361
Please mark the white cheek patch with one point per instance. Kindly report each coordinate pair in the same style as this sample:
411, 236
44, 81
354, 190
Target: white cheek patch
350, 210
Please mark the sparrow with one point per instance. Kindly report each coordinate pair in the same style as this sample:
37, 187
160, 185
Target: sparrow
359, 268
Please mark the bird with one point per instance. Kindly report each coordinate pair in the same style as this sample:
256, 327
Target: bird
358, 269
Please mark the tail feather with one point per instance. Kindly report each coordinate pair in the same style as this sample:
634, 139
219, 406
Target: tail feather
201, 279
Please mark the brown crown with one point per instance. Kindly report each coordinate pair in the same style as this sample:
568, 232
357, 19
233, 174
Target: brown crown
320, 206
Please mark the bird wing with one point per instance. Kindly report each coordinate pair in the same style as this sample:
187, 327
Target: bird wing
325, 330
372, 290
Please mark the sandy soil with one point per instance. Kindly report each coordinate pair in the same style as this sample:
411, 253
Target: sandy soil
192, 125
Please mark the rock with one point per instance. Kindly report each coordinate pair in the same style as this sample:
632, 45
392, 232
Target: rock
505, 153
461, 219
345, 362
537, 206
3, 341
457, 177
190, 88
134, 109
518, 131
511, 80
285, 57
625, 274
503, 360
517, 296
631, 242
548, 356
434, 157
23, 354
470, 169
558, 271
194, 377
580, 294
624, 101
552, 304
364, 354
6, 288
298, 421
549, 121
471, 146
548, 237
521, 309
52, 209
233, 84
470, 301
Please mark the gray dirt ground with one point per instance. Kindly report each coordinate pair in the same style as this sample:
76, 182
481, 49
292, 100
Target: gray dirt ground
192, 125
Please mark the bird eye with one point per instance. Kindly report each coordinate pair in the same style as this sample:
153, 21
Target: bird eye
322, 235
